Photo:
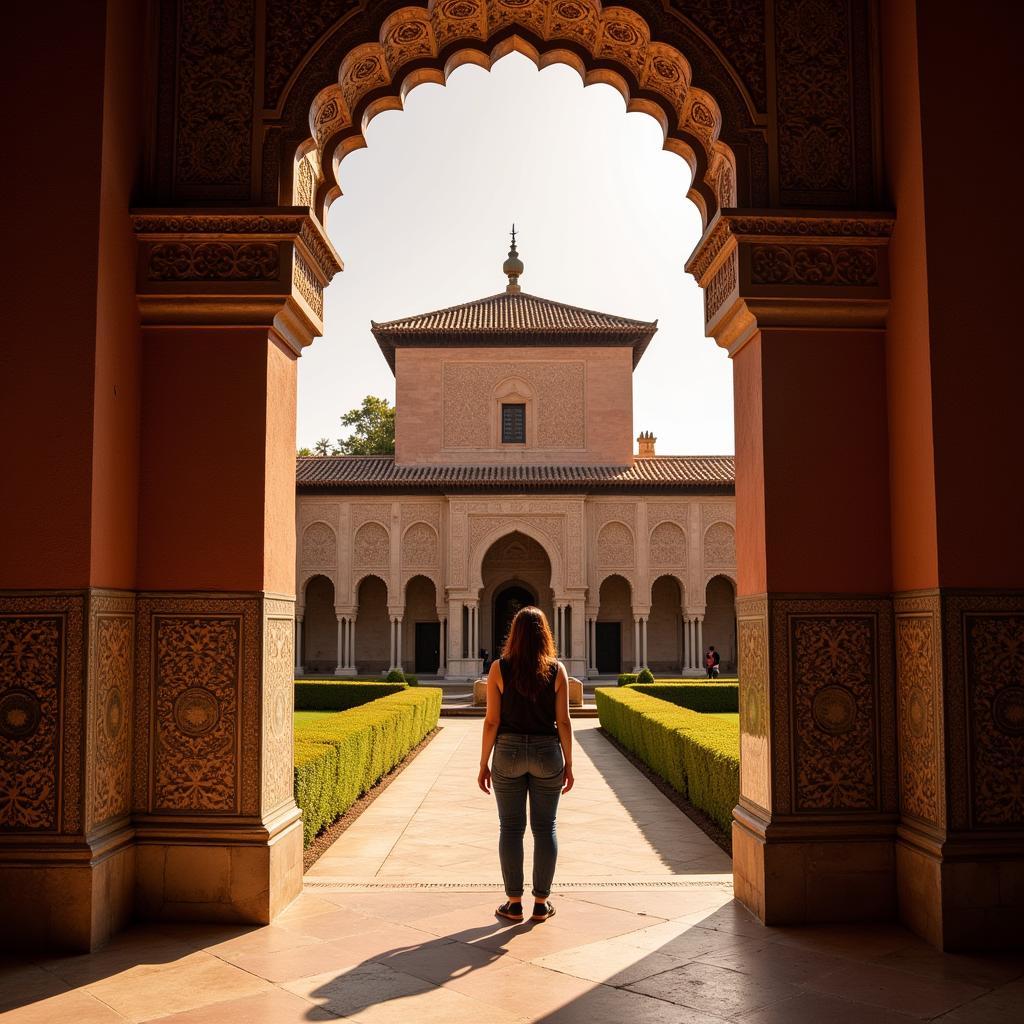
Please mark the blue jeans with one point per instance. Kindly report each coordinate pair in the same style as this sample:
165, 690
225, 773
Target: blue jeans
524, 765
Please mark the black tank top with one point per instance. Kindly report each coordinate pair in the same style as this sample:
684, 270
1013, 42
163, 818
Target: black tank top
519, 714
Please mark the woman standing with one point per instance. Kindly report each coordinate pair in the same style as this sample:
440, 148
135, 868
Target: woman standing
527, 726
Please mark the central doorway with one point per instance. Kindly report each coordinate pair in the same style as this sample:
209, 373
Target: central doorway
609, 647
428, 647
506, 603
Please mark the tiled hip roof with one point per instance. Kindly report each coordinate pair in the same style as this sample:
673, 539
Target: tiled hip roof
380, 472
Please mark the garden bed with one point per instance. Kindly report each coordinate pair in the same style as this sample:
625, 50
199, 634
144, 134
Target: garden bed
341, 755
698, 755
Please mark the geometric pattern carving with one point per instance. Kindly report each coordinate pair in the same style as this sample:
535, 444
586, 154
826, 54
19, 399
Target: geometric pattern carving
558, 390
615, 545
834, 682
755, 766
917, 682
371, 548
668, 545
420, 546
197, 665
994, 649
278, 703
319, 546
855, 266
720, 545
31, 657
110, 702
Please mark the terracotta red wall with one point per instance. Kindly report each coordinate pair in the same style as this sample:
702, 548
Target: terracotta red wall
279, 527
971, 83
750, 539
68, 518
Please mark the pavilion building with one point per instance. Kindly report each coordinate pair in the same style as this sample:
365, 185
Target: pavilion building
514, 481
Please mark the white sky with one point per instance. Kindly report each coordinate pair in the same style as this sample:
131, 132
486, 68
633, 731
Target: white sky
602, 218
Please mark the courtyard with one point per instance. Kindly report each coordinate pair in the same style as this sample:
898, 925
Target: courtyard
395, 924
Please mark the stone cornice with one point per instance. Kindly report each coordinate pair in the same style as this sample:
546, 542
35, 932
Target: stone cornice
264, 267
804, 269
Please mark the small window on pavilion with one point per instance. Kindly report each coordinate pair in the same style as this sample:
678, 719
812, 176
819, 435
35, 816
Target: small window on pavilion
513, 423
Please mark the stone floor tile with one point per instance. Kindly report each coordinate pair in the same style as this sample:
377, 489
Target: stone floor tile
133, 951
1003, 1006
269, 939
437, 1006
525, 989
990, 970
443, 961
605, 1005
688, 941
896, 990
610, 961
326, 927
144, 993
714, 989
529, 941
348, 991
74, 1006
815, 1008
274, 1006
774, 961
22, 982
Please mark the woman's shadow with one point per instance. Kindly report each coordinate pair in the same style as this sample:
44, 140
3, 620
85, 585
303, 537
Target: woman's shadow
413, 969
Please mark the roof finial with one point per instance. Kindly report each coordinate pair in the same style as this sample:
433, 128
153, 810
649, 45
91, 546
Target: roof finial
513, 267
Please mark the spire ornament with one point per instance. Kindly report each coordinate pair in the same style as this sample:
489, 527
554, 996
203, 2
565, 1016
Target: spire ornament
513, 267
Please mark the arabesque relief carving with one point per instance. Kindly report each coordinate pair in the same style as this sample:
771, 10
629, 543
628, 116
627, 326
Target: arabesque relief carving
917, 688
196, 708
994, 651
856, 266
420, 546
213, 261
755, 768
31, 656
278, 701
319, 546
615, 545
113, 641
832, 662
720, 545
371, 548
668, 545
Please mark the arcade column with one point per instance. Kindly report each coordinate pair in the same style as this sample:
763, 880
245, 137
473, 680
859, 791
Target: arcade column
799, 301
227, 300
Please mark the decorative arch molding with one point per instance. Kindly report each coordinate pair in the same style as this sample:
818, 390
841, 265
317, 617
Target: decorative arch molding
712, 574
603, 578
420, 547
503, 529
305, 580
319, 544
612, 45
659, 574
616, 545
720, 544
434, 577
371, 546
359, 578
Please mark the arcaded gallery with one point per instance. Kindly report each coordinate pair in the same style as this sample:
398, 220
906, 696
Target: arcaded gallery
174, 582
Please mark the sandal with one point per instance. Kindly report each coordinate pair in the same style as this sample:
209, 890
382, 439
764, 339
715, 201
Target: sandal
547, 910
510, 912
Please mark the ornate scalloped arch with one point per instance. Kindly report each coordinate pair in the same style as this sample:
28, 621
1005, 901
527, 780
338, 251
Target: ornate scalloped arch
357, 582
503, 529
434, 578
305, 581
604, 577
714, 574
658, 574
611, 45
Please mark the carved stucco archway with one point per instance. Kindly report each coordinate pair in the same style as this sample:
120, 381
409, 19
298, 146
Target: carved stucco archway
611, 45
503, 529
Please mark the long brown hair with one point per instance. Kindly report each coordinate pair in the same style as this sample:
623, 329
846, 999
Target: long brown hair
529, 652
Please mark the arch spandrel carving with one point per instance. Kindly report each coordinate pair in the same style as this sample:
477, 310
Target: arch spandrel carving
502, 527
615, 545
668, 546
612, 45
720, 544
371, 547
319, 545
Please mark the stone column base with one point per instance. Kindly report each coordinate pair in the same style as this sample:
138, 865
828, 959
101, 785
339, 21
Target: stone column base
238, 874
799, 874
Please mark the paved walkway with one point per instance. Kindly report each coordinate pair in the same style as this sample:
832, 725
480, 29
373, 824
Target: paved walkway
396, 927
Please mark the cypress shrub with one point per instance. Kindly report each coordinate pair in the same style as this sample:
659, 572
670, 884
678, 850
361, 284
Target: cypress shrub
626, 678
697, 754
340, 755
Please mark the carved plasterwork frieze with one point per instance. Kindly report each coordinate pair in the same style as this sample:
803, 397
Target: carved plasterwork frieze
720, 545
993, 646
668, 546
278, 703
918, 705
319, 546
615, 546
374, 511
755, 764
371, 547
42, 714
421, 511
420, 547
198, 704
850, 265
111, 686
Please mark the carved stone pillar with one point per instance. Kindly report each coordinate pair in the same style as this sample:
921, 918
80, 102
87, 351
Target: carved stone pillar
800, 302
227, 300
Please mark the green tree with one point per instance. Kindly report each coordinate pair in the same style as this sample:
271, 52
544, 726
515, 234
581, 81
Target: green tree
323, 447
304, 451
373, 428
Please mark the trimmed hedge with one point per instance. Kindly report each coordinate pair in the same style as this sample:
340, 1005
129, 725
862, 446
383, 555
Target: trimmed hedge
339, 695
339, 755
629, 678
697, 754
704, 697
